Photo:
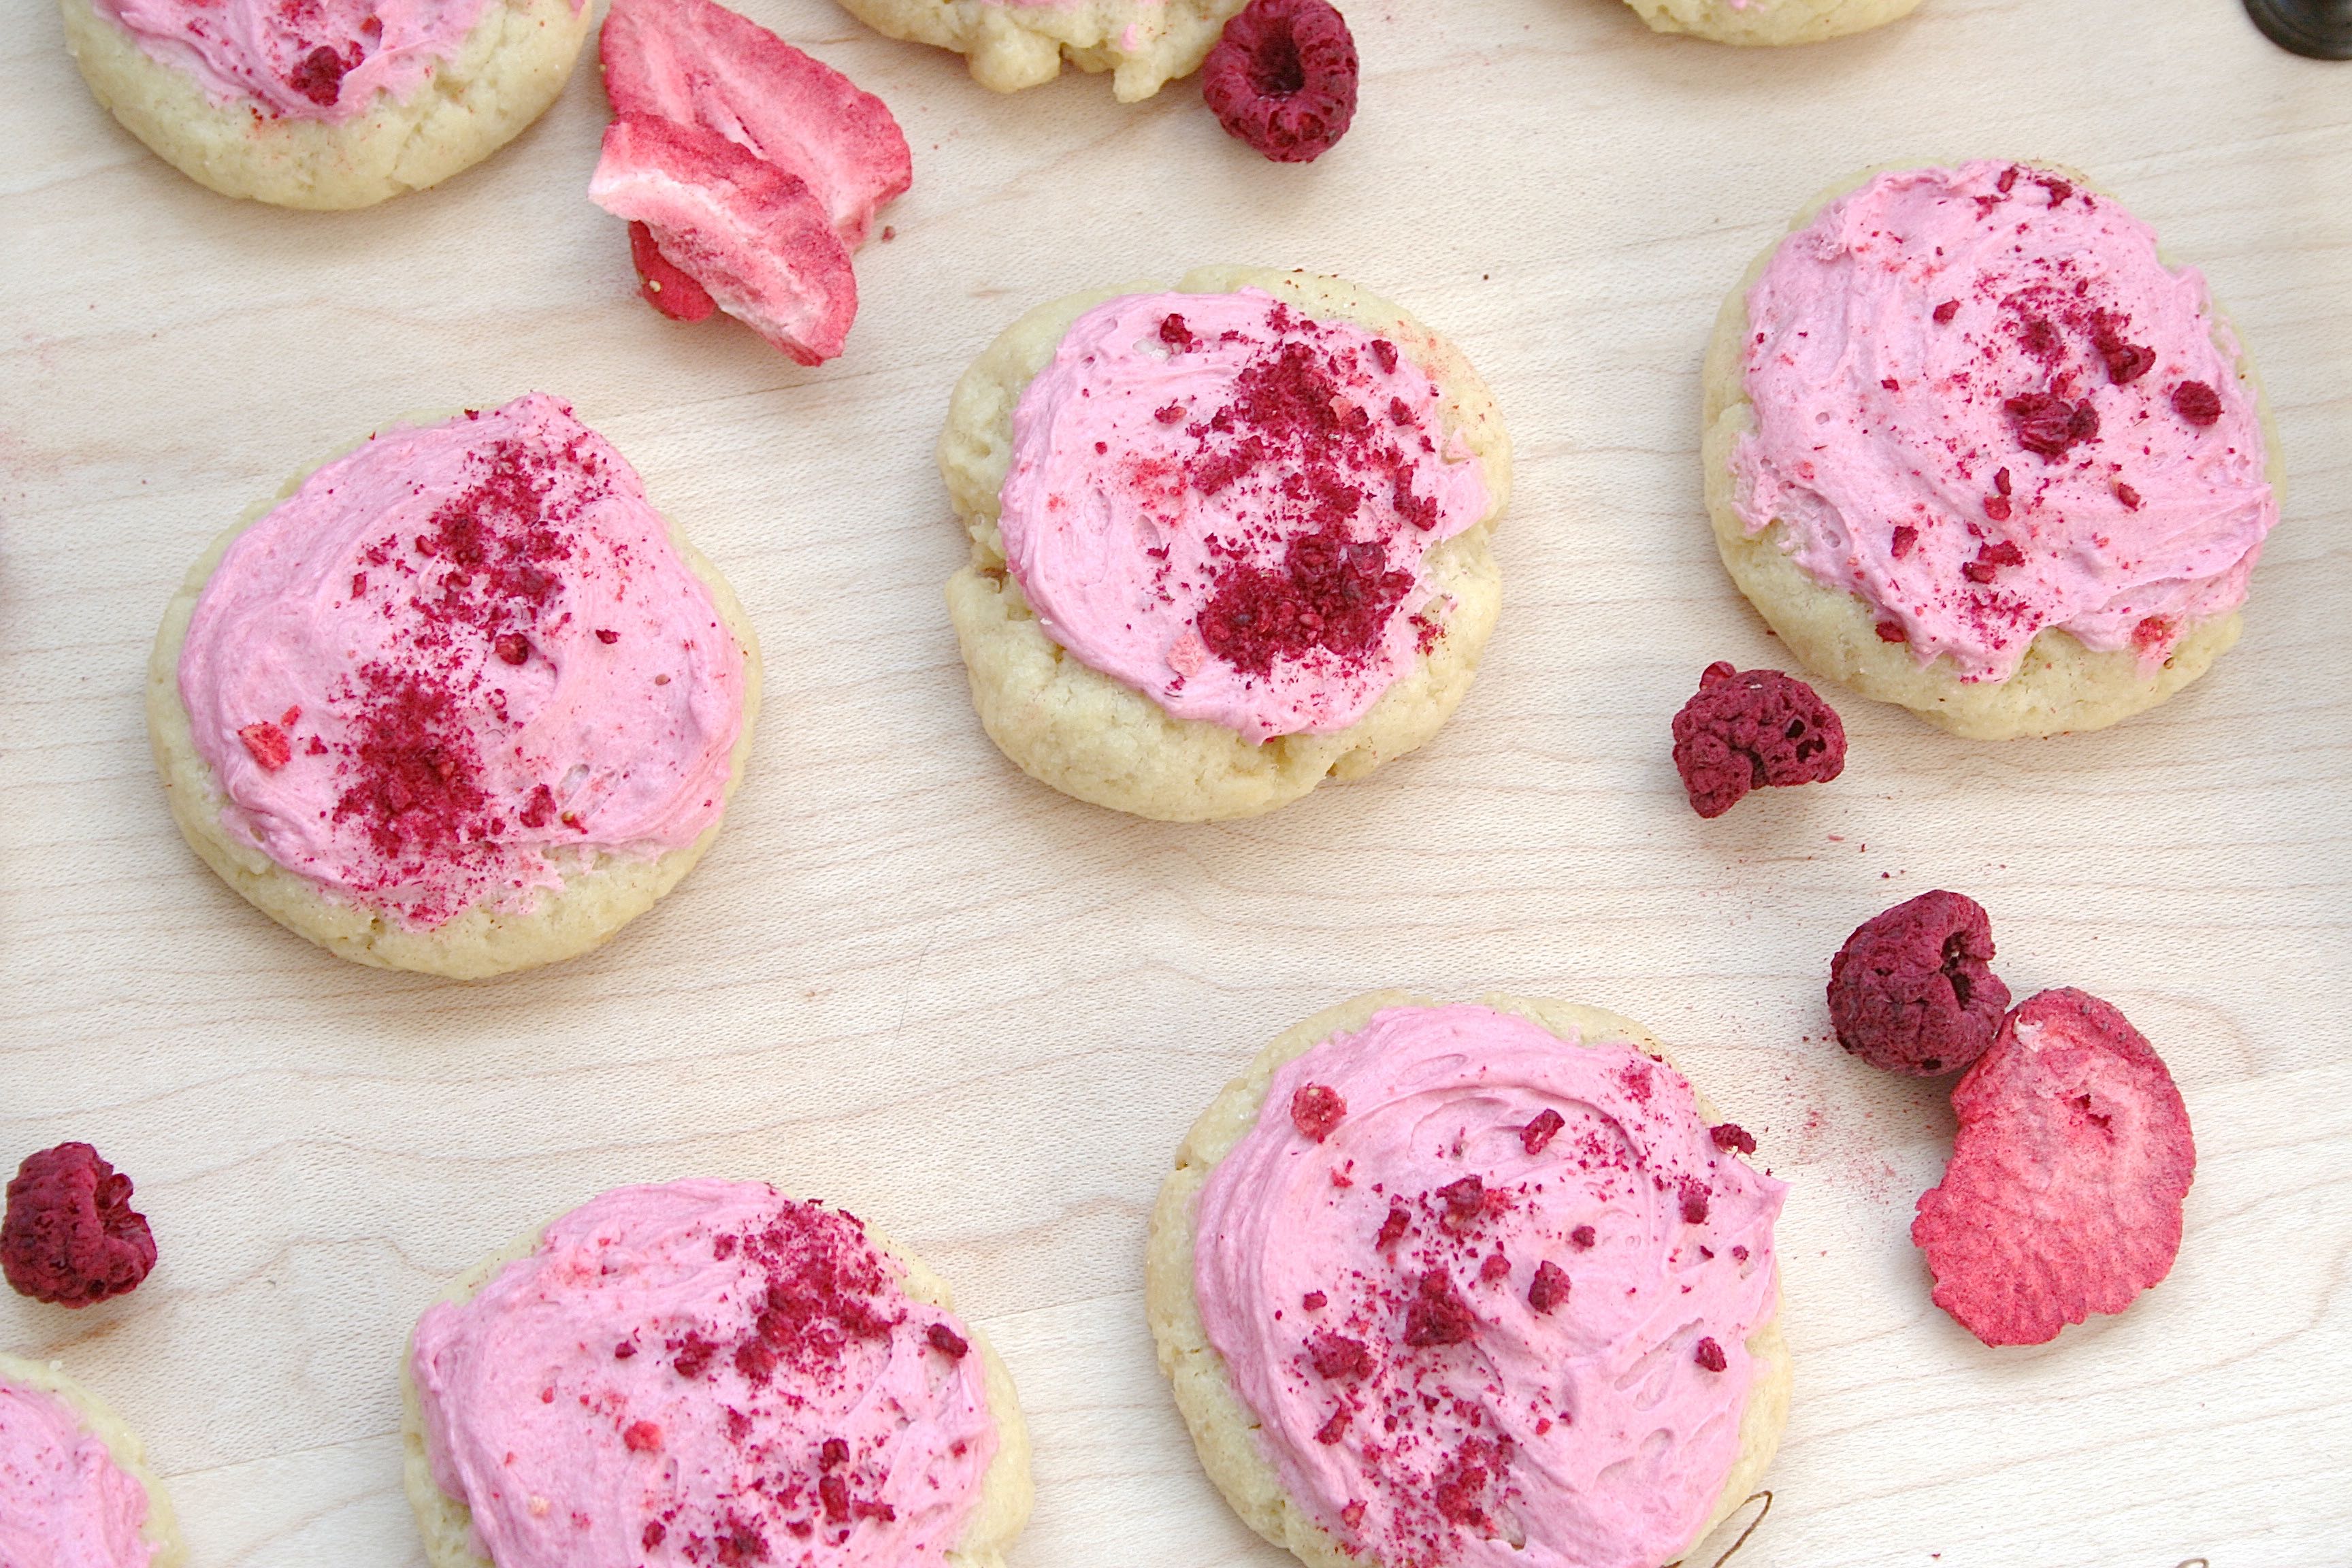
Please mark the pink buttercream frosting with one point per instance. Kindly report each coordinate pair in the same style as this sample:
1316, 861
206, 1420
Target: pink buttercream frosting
704, 1373
459, 661
301, 60
1225, 504
64, 1502
1968, 389
1498, 1313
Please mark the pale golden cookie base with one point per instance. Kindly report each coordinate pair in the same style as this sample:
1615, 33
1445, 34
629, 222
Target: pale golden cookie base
1224, 1430
2061, 684
600, 893
1768, 22
162, 1530
1005, 1491
1092, 736
508, 69
1008, 47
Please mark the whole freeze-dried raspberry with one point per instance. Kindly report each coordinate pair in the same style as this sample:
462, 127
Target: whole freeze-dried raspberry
71, 1236
1910, 991
1282, 78
2062, 1197
1749, 728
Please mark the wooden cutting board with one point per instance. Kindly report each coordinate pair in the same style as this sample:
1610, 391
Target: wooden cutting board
912, 981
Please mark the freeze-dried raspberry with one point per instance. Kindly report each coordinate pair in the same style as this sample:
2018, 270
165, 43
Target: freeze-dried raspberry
1337, 1356
71, 1236
1316, 1109
1438, 1315
1282, 78
2062, 1196
1749, 728
1910, 991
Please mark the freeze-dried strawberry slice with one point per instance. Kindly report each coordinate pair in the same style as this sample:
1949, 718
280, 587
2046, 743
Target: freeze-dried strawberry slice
667, 289
2062, 1197
756, 238
701, 64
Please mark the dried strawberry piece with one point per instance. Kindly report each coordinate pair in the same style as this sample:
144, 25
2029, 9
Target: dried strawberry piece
699, 63
1710, 1354
947, 1342
1749, 728
265, 744
2062, 1197
666, 288
1911, 991
1282, 78
70, 1236
754, 235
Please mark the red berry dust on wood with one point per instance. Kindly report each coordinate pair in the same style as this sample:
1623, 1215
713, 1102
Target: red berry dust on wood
70, 1236
1911, 990
1282, 78
1749, 728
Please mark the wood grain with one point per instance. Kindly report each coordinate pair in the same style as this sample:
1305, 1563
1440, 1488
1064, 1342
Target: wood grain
908, 980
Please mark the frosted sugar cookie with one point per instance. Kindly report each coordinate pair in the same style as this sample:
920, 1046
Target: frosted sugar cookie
324, 103
1228, 540
1770, 21
1013, 44
1973, 448
459, 701
706, 1371
75, 1490
1471, 1284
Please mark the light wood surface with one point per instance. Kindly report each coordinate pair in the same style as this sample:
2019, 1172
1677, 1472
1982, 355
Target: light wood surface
908, 980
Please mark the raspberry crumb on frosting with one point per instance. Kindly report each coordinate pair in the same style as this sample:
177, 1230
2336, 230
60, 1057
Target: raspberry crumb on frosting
1748, 729
1282, 78
1316, 1109
70, 1236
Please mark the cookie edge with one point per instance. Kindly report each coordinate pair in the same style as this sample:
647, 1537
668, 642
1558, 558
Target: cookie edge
161, 1530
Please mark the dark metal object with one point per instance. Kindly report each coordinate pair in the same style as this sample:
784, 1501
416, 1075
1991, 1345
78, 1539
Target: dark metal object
2319, 28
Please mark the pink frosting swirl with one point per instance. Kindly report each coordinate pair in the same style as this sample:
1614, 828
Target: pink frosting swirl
459, 659
64, 1502
704, 1373
1225, 504
301, 60
1497, 1315
1983, 404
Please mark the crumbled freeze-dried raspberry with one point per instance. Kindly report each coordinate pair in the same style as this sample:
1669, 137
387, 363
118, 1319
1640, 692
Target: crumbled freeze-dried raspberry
1910, 991
2062, 1197
1282, 78
1749, 728
71, 1236
1316, 1109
